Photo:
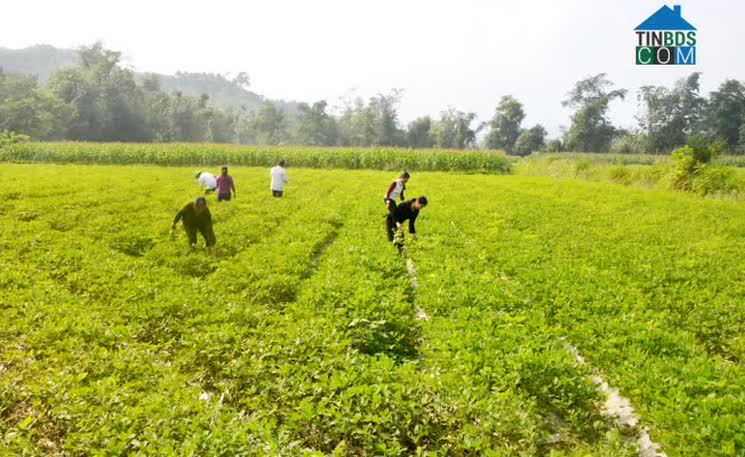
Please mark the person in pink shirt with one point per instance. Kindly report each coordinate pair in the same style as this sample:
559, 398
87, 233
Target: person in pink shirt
225, 185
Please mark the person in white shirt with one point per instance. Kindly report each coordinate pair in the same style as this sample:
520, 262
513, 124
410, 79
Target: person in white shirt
206, 181
279, 179
396, 190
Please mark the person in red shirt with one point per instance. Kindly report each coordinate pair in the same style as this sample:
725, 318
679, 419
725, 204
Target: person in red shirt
396, 190
225, 185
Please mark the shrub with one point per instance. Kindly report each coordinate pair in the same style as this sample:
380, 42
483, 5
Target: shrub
704, 149
620, 174
629, 144
554, 146
7, 137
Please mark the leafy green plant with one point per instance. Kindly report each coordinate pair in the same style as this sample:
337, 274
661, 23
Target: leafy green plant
305, 336
7, 138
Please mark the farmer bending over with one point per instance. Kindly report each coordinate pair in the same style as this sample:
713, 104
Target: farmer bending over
197, 216
206, 181
396, 218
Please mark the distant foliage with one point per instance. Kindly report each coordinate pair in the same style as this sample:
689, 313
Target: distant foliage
505, 126
629, 143
670, 114
554, 145
532, 139
455, 130
101, 100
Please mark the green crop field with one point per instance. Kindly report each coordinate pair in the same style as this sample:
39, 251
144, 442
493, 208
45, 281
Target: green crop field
309, 335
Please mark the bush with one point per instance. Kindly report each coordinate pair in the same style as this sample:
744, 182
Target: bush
629, 144
683, 168
705, 149
691, 172
581, 167
620, 174
715, 180
7, 137
554, 146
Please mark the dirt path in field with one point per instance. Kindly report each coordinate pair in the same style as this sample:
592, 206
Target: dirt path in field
616, 407
421, 315
327, 242
619, 408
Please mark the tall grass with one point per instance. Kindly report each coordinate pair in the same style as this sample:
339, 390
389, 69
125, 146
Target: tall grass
182, 154
714, 179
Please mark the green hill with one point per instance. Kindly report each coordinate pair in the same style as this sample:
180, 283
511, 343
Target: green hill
41, 60
44, 60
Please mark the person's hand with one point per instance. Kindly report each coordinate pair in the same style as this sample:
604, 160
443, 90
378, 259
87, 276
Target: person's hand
413, 236
398, 226
213, 252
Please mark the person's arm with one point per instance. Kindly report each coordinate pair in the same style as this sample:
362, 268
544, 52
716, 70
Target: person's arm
232, 186
284, 176
412, 229
402, 193
178, 217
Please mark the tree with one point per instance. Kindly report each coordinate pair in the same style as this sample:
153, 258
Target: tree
532, 139
554, 145
454, 129
158, 111
266, 126
26, 109
242, 80
419, 133
315, 126
221, 125
374, 124
505, 125
383, 111
591, 131
186, 124
741, 143
725, 112
670, 115
108, 104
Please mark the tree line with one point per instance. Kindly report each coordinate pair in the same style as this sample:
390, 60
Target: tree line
100, 100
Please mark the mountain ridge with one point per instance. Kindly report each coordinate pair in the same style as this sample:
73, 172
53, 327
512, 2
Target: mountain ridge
43, 60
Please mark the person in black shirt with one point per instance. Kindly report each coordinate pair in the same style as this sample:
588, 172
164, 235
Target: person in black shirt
395, 219
197, 217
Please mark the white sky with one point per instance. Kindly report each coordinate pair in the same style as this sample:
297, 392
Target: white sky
464, 53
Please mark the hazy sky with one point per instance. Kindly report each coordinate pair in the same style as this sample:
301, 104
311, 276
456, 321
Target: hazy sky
461, 53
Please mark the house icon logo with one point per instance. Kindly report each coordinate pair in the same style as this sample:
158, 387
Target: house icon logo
665, 38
